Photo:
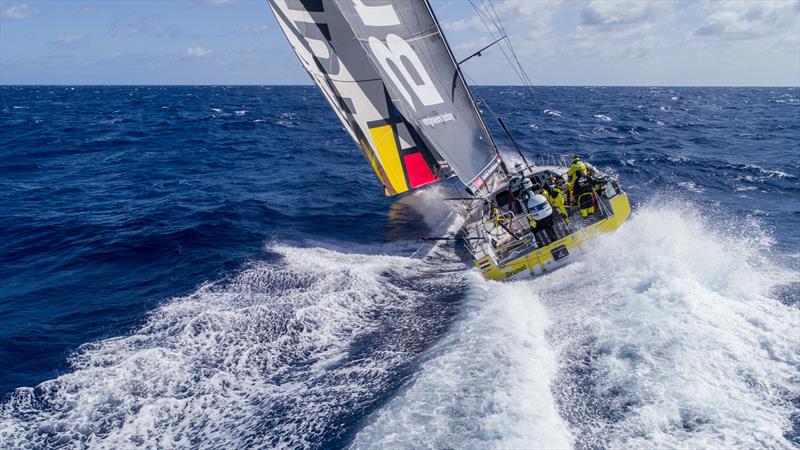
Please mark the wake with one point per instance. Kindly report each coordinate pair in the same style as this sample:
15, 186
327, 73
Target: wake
668, 334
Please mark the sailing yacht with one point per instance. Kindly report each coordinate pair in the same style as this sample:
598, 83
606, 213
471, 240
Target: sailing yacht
388, 73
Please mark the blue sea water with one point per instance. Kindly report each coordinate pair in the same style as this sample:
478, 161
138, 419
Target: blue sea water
216, 267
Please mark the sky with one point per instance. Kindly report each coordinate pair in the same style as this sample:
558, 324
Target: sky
558, 42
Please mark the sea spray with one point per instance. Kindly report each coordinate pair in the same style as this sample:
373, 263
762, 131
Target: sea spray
283, 354
668, 336
486, 384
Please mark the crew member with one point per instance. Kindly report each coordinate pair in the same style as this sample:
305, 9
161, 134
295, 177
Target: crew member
541, 219
577, 164
553, 193
583, 189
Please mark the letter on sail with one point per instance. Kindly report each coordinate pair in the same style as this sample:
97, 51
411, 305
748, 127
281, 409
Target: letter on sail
405, 44
340, 67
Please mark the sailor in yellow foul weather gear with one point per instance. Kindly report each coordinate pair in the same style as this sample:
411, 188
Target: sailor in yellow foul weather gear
584, 193
555, 196
577, 164
572, 175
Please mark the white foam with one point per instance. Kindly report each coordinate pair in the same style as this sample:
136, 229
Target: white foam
552, 112
486, 385
602, 117
669, 336
267, 359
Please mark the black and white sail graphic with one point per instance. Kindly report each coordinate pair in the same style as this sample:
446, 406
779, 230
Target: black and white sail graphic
405, 44
387, 71
340, 67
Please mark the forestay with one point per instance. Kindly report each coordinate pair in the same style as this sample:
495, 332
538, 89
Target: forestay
340, 67
403, 40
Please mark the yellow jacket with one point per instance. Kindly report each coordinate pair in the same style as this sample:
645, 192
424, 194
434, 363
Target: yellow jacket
572, 173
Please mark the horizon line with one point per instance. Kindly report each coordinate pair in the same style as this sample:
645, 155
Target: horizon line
474, 85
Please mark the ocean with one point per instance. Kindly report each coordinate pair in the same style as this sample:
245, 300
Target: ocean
217, 267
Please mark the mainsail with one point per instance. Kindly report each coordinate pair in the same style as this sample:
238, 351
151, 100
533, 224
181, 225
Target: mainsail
339, 66
405, 44
389, 74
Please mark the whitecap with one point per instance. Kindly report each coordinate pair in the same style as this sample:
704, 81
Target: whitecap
691, 186
217, 110
240, 112
552, 112
602, 117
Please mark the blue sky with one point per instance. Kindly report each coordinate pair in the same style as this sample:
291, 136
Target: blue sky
560, 42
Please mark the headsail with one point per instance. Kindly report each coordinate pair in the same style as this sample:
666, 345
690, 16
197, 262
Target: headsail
338, 65
405, 44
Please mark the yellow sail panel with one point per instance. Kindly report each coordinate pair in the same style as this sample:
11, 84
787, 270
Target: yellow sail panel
389, 154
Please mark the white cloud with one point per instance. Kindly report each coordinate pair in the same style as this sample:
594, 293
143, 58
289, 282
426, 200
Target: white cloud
20, 12
256, 30
621, 29
529, 25
198, 52
746, 20
71, 41
617, 13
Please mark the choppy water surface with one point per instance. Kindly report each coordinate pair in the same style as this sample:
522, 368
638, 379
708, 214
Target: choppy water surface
215, 267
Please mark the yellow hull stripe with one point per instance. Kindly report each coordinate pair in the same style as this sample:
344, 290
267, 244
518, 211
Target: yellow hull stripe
385, 143
621, 208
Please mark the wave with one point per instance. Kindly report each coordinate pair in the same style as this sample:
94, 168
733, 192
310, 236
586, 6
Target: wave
552, 113
485, 385
278, 356
602, 117
677, 342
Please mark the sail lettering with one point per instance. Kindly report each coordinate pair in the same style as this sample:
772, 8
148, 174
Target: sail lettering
376, 16
393, 57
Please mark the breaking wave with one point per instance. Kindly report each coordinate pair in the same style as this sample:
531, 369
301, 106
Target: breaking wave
676, 341
485, 385
279, 356
668, 334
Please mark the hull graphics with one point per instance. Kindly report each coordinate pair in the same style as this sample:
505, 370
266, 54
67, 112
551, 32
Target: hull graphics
558, 253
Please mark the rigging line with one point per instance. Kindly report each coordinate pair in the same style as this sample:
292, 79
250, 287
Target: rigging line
511, 47
484, 16
478, 53
491, 13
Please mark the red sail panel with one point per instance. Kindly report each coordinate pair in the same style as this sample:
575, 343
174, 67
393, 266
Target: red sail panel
419, 174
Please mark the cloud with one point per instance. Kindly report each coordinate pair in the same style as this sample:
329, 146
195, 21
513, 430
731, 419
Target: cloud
255, 30
20, 12
71, 41
529, 24
248, 50
142, 24
615, 14
621, 29
198, 52
747, 20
